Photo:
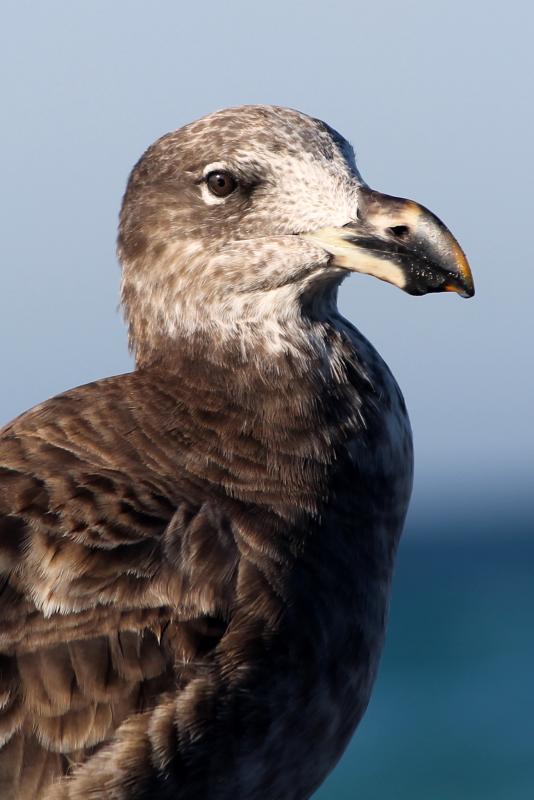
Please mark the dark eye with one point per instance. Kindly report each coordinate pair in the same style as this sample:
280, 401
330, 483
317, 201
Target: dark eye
221, 183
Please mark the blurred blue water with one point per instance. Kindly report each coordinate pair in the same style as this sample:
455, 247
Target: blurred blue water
452, 714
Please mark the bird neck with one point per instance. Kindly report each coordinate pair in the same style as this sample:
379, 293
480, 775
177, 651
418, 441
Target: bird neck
262, 332
285, 417
252, 364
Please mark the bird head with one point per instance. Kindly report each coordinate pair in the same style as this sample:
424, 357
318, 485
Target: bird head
241, 222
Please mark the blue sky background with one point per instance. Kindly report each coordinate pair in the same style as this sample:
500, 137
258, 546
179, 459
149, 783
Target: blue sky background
436, 98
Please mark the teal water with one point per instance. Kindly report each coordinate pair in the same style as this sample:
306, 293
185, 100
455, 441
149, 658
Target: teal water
452, 713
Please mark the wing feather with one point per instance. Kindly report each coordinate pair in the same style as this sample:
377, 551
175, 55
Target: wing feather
116, 579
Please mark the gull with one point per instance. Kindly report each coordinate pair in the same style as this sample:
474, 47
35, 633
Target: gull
196, 557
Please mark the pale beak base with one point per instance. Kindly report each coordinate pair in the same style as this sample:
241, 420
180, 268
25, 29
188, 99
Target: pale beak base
401, 242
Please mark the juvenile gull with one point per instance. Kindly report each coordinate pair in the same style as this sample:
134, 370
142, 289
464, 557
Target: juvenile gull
196, 557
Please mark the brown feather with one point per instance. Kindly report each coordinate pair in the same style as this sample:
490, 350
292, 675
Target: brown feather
195, 558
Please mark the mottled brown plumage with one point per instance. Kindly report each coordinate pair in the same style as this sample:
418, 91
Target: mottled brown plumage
195, 558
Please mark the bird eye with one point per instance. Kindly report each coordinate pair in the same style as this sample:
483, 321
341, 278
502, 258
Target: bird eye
221, 183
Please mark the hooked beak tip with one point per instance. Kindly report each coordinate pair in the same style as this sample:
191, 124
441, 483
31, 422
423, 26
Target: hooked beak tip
462, 282
463, 289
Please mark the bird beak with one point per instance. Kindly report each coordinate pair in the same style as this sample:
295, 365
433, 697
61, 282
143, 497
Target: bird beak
398, 241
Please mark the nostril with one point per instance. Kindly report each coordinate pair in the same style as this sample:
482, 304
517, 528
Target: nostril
399, 231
